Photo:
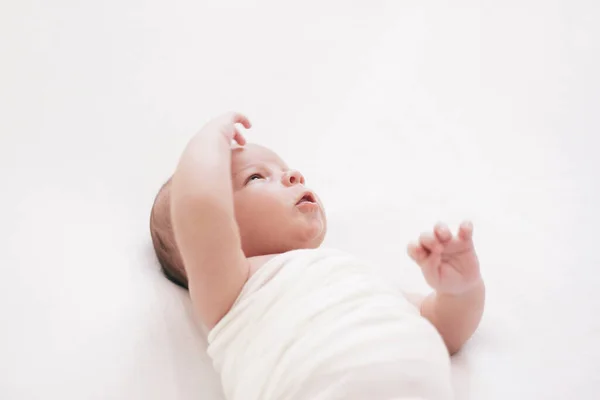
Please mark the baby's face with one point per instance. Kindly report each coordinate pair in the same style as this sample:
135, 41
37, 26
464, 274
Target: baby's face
274, 211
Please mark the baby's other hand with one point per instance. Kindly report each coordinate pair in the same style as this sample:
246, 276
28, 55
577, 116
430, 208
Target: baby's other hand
449, 263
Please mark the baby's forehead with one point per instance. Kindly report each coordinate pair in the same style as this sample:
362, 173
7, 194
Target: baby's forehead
251, 154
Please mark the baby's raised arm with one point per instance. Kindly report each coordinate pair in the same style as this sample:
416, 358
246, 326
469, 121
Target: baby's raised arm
203, 219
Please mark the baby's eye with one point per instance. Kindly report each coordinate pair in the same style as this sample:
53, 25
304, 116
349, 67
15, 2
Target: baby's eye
254, 177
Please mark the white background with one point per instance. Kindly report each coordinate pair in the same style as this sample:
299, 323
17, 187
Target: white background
399, 113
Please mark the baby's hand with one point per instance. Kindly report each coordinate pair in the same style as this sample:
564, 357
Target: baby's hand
449, 263
225, 125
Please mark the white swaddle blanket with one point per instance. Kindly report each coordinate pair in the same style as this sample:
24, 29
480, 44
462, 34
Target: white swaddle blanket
320, 324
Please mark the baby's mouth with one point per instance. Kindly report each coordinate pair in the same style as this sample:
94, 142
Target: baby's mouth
307, 197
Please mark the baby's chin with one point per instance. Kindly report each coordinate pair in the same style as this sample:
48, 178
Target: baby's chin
317, 231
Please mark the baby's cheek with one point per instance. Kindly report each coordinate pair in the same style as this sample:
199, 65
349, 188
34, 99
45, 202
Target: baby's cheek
261, 204
269, 207
245, 209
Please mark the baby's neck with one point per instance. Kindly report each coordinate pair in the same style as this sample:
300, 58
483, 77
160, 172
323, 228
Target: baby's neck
257, 262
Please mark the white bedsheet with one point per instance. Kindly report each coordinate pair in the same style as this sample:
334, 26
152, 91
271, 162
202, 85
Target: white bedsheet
398, 113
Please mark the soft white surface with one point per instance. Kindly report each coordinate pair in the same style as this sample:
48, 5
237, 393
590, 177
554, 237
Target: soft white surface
399, 114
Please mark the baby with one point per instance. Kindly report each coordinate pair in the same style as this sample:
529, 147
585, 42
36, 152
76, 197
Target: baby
290, 320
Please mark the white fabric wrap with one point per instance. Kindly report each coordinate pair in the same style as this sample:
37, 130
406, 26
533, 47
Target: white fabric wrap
320, 324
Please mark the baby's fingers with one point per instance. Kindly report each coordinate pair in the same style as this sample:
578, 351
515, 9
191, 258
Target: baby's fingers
417, 252
442, 232
238, 137
431, 243
230, 120
239, 118
465, 231
424, 258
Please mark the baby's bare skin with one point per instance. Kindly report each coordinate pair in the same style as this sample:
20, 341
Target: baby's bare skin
236, 207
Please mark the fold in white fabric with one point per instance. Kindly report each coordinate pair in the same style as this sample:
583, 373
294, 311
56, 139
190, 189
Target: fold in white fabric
321, 325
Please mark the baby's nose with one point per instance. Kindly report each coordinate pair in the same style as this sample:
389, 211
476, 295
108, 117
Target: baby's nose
293, 177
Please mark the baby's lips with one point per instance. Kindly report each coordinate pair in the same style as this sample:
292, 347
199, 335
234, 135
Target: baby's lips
308, 197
